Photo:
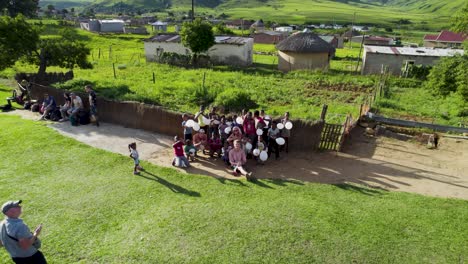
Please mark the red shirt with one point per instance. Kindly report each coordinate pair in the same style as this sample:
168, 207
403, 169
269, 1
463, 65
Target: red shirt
249, 127
178, 149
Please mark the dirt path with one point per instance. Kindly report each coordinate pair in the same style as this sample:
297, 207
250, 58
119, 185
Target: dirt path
382, 162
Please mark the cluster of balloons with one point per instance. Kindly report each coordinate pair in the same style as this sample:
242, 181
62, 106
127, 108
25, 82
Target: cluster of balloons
263, 155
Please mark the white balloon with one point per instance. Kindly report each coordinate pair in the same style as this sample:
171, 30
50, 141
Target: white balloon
196, 126
229, 123
280, 141
248, 146
266, 122
239, 120
288, 125
263, 156
206, 121
267, 117
259, 132
280, 126
190, 123
256, 152
192, 151
216, 122
227, 130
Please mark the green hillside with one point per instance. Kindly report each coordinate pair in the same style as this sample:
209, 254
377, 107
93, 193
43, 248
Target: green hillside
431, 14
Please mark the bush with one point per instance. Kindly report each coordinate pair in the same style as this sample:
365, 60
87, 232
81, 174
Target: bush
234, 100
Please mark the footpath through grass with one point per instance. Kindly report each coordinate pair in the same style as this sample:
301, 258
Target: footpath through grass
95, 211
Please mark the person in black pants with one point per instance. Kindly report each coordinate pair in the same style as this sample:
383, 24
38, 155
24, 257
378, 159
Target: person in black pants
273, 134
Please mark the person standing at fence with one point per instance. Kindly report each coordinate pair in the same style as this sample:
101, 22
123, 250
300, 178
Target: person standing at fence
285, 133
92, 104
200, 115
187, 129
22, 245
273, 134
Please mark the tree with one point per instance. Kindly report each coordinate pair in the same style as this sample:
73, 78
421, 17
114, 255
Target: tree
221, 29
66, 52
450, 75
197, 36
460, 20
17, 38
14, 7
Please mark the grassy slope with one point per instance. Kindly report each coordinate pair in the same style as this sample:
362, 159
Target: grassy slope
94, 210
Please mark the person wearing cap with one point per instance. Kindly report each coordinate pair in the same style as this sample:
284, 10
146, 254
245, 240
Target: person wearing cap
200, 140
22, 245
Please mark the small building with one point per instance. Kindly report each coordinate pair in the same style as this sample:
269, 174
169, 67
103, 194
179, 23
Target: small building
159, 26
445, 39
258, 26
239, 24
269, 37
399, 59
373, 40
304, 51
236, 51
112, 25
284, 29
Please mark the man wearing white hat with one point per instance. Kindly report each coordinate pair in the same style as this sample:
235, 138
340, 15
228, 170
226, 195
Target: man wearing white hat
21, 244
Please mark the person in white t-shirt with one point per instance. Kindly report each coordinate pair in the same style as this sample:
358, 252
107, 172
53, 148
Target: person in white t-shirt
77, 105
273, 134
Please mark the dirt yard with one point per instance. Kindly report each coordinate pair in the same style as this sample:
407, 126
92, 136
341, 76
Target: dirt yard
382, 162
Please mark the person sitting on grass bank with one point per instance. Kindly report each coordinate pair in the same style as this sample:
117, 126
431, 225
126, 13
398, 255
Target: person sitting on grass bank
92, 104
77, 105
238, 159
179, 160
48, 106
22, 245
136, 158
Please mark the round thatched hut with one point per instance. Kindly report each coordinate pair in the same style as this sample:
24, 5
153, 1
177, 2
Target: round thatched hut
303, 50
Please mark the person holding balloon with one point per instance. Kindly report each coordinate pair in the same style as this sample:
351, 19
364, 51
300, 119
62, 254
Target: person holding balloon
187, 125
273, 134
238, 159
285, 132
203, 120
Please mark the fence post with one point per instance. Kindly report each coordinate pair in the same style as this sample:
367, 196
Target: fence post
99, 54
154, 78
204, 76
113, 67
324, 113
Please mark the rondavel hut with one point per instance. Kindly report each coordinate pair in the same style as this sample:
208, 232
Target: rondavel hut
304, 50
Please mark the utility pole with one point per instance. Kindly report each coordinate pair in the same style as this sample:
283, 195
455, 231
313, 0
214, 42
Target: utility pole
193, 10
352, 28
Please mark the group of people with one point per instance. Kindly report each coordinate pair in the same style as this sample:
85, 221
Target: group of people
72, 106
233, 138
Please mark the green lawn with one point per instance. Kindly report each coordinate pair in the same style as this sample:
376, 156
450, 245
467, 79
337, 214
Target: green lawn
95, 211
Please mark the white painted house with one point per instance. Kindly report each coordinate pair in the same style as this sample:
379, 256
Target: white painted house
112, 25
227, 50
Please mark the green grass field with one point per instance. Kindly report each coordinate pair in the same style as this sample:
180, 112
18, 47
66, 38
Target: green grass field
95, 211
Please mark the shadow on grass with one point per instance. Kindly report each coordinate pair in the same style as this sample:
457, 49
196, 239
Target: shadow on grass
359, 189
173, 187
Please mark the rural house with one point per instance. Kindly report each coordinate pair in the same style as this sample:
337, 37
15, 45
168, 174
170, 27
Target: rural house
159, 26
303, 51
373, 40
239, 24
228, 50
400, 59
269, 37
110, 26
258, 26
445, 39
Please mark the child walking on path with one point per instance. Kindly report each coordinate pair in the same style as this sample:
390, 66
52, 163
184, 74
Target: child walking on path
134, 155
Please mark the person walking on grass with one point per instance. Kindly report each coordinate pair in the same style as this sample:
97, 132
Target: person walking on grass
92, 104
179, 160
136, 158
22, 245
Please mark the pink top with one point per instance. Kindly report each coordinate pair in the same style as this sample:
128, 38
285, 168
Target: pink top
178, 148
249, 127
237, 157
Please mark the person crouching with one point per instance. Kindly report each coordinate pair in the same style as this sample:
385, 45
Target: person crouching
179, 160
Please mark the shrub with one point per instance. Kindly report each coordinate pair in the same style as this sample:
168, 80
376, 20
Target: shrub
234, 100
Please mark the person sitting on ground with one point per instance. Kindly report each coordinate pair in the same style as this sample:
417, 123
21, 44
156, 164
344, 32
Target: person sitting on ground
136, 158
77, 105
236, 134
190, 150
215, 145
179, 160
48, 105
64, 108
238, 159
200, 140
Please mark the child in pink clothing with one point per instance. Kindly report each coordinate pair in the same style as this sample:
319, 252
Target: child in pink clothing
238, 159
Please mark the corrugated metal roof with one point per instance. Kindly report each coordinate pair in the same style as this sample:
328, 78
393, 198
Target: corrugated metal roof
412, 51
218, 39
111, 21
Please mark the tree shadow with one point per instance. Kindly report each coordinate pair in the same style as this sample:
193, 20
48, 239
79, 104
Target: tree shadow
360, 189
173, 187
